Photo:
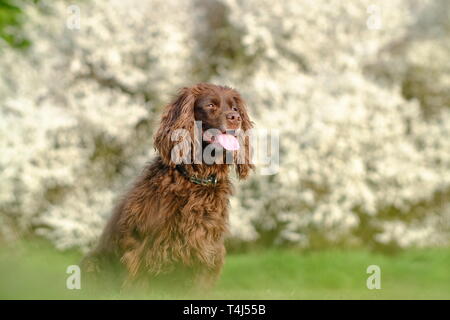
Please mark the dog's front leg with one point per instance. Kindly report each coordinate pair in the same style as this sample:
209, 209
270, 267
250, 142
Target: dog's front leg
207, 276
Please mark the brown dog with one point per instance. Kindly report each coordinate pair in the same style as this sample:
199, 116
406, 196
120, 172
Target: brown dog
175, 216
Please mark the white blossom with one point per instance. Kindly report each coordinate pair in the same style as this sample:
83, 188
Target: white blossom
349, 86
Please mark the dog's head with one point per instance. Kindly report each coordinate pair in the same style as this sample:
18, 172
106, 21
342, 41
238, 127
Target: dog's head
215, 115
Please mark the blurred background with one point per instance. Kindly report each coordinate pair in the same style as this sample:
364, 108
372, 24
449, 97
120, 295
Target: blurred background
359, 91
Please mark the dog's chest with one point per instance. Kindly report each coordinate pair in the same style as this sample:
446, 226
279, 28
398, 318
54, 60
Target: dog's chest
202, 215
204, 206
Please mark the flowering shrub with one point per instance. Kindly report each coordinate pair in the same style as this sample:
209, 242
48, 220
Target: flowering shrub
347, 85
358, 159
78, 108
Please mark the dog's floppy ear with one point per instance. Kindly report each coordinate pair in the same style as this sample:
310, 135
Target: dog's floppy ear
244, 154
177, 124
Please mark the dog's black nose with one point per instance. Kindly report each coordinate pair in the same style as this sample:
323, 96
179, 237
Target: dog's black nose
233, 117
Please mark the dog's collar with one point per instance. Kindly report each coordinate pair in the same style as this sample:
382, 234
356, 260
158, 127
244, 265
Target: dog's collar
210, 180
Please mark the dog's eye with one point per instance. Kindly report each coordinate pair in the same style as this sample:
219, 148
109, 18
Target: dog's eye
235, 109
210, 105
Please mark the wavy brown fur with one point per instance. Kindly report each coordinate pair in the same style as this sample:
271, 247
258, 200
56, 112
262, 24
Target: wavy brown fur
165, 222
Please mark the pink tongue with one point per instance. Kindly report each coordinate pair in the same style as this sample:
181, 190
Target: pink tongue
228, 141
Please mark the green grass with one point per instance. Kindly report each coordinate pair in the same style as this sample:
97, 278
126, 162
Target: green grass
35, 270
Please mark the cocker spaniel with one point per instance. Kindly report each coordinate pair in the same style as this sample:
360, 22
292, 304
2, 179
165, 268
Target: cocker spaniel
174, 218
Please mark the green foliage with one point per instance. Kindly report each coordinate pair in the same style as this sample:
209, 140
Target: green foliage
10, 20
40, 272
